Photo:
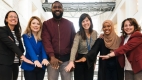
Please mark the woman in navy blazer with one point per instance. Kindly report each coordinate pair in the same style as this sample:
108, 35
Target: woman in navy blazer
10, 45
34, 51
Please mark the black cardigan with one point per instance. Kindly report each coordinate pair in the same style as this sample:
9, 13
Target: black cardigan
99, 47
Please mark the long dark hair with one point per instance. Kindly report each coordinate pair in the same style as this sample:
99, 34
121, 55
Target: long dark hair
17, 27
81, 30
132, 22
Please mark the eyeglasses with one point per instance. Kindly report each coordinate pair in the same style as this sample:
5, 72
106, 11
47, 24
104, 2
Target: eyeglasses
13, 17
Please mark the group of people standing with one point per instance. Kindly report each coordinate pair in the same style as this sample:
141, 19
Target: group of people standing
55, 45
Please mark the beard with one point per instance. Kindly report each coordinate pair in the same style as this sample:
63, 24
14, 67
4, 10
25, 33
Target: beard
57, 16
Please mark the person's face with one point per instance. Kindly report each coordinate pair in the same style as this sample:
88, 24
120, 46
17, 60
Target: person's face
35, 25
57, 10
107, 28
86, 24
12, 19
128, 28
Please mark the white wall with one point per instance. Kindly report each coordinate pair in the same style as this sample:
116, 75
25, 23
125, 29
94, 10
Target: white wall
123, 9
126, 9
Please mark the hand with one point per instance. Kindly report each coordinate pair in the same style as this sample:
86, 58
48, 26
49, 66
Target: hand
45, 62
83, 59
104, 57
26, 60
69, 66
55, 62
37, 64
112, 54
101, 36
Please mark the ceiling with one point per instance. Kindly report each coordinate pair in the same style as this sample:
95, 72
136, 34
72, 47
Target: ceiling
74, 8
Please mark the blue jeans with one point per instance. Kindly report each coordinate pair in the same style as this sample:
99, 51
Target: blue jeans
54, 73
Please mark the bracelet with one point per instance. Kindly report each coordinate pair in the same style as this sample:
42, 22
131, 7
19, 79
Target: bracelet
109, 55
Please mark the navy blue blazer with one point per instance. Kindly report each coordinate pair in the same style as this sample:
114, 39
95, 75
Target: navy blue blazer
34, 51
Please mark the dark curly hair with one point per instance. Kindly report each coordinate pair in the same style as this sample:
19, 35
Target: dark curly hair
132, 22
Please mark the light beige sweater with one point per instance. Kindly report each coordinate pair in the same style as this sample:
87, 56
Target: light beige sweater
80, 45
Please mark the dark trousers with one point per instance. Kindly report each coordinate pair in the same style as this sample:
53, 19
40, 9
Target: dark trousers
15, 70
36, 74
111, 69
5, 72
111, 74
82, 72
130, 75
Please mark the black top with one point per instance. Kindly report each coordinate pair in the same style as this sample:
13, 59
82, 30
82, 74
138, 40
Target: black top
105, 66
8, 48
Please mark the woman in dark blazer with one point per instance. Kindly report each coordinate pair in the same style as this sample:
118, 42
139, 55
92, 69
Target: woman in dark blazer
8, 45
16, 37
34, 51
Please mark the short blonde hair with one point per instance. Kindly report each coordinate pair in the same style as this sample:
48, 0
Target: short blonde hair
28, 29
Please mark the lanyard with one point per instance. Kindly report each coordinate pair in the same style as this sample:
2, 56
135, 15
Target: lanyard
88, 44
